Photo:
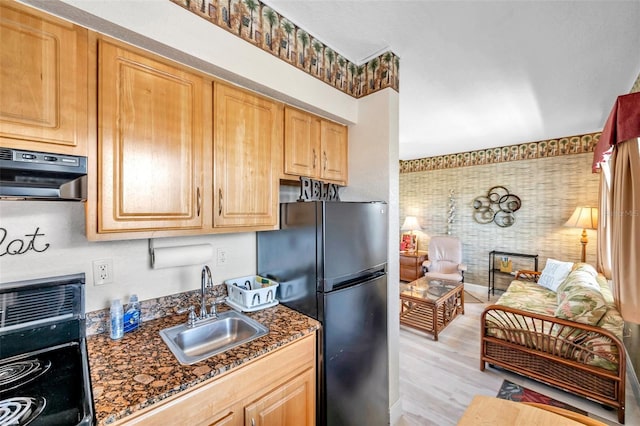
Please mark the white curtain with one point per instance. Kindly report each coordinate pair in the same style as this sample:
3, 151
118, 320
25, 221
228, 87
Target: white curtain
603, 254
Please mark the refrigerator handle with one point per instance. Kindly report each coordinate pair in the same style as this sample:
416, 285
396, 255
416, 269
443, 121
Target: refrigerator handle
360, 280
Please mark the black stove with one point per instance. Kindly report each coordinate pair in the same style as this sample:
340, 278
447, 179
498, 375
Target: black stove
44, 368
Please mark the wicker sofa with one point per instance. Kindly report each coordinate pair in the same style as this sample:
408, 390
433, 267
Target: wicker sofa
570, 338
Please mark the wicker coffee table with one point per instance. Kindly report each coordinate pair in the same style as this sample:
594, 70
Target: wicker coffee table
430, 305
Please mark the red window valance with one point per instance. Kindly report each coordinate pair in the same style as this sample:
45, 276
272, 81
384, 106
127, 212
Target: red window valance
623, 124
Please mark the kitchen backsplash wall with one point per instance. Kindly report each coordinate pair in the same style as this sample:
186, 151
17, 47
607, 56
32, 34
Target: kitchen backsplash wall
60, 225
550, 188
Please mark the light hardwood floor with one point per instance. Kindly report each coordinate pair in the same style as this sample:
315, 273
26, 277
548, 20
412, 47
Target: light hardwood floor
439, 379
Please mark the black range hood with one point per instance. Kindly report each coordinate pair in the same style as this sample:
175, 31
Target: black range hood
31, 175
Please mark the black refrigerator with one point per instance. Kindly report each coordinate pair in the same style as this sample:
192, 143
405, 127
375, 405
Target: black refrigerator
330, 259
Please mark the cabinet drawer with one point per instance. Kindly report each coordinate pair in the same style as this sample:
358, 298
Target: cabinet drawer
409, 274
408, 261
407, 270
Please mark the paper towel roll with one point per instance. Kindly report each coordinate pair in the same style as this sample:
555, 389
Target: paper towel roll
168, 257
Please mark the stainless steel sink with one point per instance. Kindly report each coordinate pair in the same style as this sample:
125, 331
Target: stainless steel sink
211, 337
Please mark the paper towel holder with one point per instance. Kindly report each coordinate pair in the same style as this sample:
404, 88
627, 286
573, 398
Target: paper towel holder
151, 252
181, 255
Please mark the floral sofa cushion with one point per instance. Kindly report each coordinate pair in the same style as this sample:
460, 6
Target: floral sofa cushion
529, 296
583, 297
612, 320
580, 299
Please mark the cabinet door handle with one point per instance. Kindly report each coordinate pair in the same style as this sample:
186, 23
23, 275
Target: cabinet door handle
219, 201
324, 153
314, 158
199, 202
253, 422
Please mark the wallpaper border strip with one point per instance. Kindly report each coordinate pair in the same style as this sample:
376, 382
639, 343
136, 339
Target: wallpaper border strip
569, 145
259, 24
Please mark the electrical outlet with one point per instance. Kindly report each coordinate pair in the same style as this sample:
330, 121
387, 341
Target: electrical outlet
221, 256
102, 271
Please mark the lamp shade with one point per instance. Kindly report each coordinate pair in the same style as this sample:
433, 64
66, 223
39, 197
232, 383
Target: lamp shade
584, 218
411, 224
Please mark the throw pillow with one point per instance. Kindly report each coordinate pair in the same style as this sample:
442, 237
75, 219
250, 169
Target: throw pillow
554, 273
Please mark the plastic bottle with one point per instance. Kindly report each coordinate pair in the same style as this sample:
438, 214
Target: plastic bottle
117, 322
132, 314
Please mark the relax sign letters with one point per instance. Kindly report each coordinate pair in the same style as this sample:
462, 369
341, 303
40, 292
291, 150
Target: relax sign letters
315, 190
20, 245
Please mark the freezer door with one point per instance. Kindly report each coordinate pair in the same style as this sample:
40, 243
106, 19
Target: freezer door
288, 256
354, 365
355, 241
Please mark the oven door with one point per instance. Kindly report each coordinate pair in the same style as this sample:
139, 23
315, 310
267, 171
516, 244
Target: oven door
47, 387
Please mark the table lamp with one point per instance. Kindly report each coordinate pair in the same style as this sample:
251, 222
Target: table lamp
585, 218
411, 224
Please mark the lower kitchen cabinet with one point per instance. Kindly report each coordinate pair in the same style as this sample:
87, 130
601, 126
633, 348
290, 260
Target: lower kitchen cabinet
289, 404
278, 389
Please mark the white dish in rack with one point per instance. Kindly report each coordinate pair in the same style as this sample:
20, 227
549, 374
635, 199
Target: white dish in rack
238, 307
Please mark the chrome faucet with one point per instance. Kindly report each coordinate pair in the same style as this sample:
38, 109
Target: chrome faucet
206, 282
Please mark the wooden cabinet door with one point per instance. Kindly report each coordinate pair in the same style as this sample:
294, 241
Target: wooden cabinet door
150, 143
43, 82
333, 139
247, 163
291, 404
301, 143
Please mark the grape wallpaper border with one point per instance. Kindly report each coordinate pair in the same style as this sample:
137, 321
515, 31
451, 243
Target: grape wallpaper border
579, 144
260, 25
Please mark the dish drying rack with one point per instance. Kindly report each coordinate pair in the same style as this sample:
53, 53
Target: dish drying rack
251, 293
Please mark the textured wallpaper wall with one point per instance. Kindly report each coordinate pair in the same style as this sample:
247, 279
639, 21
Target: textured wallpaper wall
550, 188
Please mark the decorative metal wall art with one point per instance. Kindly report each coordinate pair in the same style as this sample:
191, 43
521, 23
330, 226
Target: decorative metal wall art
498, 206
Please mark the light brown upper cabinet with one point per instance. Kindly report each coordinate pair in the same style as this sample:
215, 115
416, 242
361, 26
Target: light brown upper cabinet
314, 147
150, 142
302, 143
247, 160
333, 141
43, 82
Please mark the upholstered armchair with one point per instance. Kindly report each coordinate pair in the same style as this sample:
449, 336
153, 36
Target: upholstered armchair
445, 259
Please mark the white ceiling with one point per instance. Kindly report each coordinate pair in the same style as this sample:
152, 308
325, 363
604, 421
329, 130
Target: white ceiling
480, 74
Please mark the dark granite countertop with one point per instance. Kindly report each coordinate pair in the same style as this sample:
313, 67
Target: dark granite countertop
140, 370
